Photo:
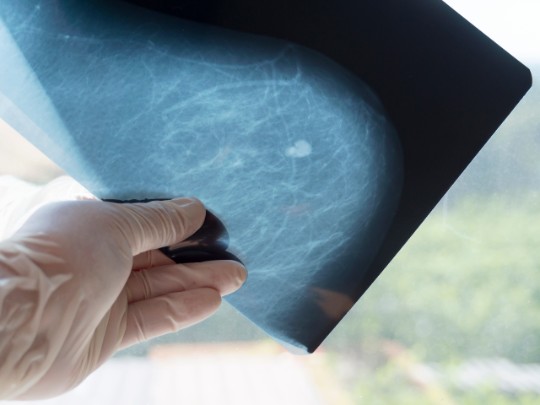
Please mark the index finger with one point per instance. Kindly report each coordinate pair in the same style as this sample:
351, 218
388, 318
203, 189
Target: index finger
149, 226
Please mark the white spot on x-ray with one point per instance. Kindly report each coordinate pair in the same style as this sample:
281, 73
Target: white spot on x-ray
299, 150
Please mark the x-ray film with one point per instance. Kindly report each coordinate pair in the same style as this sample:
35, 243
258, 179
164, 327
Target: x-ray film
319, 133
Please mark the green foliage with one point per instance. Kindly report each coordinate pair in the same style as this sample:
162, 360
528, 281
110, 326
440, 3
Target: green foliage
493, 397
467, 284
387, 386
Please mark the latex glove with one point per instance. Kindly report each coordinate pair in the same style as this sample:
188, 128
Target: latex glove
70, 298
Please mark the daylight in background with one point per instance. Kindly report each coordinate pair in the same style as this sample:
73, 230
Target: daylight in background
454, 319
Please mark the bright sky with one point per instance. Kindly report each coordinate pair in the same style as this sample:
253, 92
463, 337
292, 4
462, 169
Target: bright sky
513, 24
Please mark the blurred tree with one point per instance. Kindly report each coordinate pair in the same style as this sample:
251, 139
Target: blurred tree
465, 285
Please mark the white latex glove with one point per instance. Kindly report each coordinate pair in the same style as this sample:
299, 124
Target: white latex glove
82, 279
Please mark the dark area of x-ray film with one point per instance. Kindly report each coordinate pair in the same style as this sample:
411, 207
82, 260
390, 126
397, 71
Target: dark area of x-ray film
290, 150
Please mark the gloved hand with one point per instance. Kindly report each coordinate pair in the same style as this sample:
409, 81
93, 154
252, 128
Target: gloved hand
82, 279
